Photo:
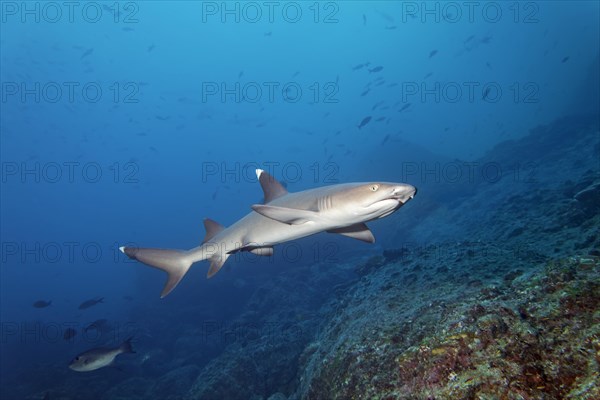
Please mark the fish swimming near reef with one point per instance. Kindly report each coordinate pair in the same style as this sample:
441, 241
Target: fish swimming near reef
90, 303
42, 303
364, 122
284, 216
99, 357
69, 334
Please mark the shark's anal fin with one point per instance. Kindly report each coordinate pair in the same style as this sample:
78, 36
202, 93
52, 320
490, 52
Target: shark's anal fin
212, 228
216, 262
291, 216
357, 231
271, 187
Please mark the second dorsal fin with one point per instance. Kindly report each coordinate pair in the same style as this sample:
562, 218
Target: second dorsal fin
272, 189
212, 228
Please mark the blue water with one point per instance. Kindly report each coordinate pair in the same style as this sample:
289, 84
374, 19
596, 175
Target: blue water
127, 123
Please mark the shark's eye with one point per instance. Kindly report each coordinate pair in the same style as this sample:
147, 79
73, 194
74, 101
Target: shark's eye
374, 188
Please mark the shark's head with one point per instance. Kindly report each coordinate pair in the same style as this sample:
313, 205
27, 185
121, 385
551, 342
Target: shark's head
368, 201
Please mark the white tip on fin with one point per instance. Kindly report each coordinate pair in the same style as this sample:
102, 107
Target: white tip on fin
259, 172
122, 248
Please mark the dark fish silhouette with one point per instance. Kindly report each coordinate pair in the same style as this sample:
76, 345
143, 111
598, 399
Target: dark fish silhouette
364, 122
87, 53
385, 139
380, 119
42, 303
69, 334
564, 60
485, 93
100, 325
90, 303
404, 107
432, 53
365, 92
376, 69
428, 75
364, 20
151, 47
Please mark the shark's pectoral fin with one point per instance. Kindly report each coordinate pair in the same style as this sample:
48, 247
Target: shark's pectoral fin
357, 231
216, 262
291, 216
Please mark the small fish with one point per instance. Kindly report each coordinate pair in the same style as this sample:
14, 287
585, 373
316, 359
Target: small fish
377, 105
376, 69
128, 298
364, 122
151, 47
365, 92
358, 66
385, 139
69, 334
432, 53
391, 27
99, 357
160, 117
42, 303
485, 93
564, 60
364, 20
428, 75
127, 29
86, 53
98, 325
380, 119
90, 303
240, 74
404, 107
268, 33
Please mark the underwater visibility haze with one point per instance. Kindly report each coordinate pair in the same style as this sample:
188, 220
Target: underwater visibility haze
340, 200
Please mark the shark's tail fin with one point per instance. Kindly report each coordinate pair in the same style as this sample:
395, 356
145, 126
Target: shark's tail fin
174, 262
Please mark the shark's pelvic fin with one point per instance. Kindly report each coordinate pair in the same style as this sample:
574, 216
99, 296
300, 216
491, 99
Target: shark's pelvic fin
356, 231
175, 263
291, 216
270, 186
212, 228
262, 251
216, 262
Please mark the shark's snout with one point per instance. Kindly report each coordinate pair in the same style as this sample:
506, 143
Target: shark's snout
403, 193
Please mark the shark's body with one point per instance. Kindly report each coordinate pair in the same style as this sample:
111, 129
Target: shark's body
342, 209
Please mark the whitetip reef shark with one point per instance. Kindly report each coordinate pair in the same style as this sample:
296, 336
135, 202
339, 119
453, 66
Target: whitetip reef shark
342, 209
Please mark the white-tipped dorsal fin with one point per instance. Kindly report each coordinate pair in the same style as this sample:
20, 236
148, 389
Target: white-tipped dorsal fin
272, 189
212, 228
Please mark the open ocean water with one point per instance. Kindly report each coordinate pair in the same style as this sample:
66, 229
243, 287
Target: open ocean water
467, 134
